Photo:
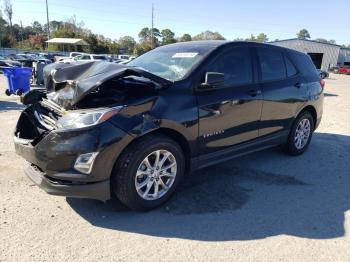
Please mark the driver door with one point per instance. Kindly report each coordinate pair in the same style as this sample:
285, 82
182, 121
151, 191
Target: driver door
230, 114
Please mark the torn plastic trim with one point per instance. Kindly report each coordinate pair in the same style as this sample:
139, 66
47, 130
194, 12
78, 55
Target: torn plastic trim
22, 140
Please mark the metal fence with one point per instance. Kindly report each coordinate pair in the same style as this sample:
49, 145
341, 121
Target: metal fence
8, 51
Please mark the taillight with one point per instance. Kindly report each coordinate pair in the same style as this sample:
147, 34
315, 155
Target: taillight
322, 83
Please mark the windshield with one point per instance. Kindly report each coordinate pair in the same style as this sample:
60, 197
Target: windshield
77, 57
171, 62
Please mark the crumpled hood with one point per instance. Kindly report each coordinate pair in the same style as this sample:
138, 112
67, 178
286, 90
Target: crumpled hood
85, 77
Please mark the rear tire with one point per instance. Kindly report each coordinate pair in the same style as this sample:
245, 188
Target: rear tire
7, 92
141, 164
300, 135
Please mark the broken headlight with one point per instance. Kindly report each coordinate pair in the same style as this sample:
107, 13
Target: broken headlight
85, 118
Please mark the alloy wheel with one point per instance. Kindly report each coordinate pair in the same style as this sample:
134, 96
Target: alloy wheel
302, 133
156, 175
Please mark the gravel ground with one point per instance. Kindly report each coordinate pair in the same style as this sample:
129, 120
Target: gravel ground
262, 207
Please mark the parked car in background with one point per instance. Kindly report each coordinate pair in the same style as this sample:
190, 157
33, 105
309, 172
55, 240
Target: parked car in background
134, 131
344, 70
16, 57
71, 56
124, 62
115, 60
334, 69
8, 62
123, 57
22, 58
323, 74
28, 59
85, 57
50, 56
41, 59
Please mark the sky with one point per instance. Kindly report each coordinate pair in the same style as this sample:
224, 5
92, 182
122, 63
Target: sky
233, 19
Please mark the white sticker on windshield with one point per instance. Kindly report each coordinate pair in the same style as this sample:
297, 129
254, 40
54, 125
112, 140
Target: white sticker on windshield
185, 55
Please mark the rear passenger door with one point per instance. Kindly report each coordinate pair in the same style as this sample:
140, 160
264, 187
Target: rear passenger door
280, 83
230, 115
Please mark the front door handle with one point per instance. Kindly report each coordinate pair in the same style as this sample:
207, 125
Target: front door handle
254, 93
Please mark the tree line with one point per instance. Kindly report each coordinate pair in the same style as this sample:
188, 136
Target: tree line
33, 37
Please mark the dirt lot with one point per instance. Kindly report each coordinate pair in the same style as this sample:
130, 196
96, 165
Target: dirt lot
262, 207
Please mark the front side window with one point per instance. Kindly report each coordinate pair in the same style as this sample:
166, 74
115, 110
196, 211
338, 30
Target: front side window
236, 65
271, 64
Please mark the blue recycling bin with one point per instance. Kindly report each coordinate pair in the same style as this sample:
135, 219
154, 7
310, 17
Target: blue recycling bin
18, 79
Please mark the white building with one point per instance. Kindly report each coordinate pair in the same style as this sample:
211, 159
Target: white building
323, 55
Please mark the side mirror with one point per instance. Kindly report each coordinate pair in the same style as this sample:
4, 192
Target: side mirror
213, 80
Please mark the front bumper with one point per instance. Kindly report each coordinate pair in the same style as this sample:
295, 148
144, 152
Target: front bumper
98, 190
52, 155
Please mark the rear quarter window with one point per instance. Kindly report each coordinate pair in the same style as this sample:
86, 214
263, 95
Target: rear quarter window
305, 65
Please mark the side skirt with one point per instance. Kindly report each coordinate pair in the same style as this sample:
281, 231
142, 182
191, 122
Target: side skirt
245, 148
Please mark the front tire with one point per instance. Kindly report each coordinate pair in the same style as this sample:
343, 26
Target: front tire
300, 134
148, 172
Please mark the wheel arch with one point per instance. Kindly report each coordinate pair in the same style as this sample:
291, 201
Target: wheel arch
311, 110
180, 139
168, 132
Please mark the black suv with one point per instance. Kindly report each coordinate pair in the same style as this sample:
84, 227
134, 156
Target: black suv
133, 131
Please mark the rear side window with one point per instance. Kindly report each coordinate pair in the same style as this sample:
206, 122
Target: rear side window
271, 64
236, 64
305, 65
291, 70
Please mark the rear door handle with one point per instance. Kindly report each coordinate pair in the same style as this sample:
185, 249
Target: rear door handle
298, 85
254, 93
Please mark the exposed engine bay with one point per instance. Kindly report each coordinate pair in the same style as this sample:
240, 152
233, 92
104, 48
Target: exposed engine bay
81, 90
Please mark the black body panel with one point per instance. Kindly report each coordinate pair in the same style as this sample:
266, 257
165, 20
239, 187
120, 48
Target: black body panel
211, 125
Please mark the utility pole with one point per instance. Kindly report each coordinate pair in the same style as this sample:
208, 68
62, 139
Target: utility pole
21, 31
48, 21
152, 36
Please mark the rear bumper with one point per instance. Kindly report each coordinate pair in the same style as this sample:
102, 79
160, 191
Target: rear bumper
97, 190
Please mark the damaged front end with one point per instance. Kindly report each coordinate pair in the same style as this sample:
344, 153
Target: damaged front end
64, 133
